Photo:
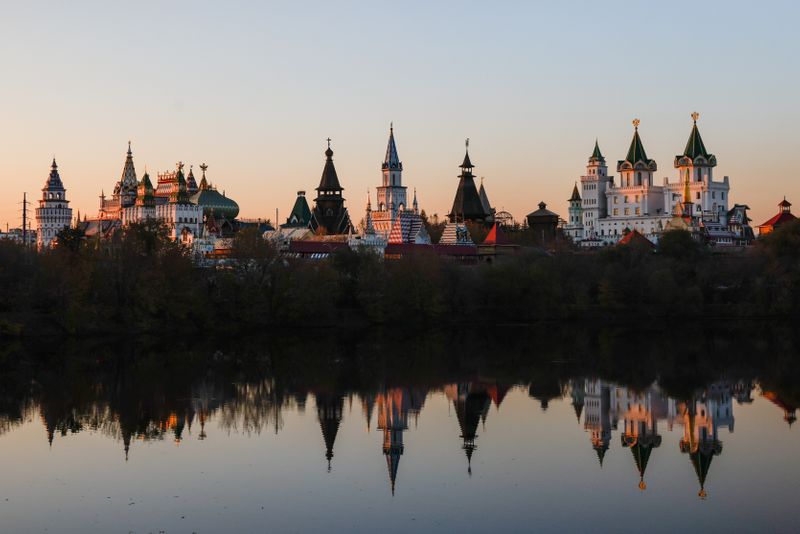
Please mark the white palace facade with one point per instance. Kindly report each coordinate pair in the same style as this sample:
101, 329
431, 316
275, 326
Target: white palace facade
602, 210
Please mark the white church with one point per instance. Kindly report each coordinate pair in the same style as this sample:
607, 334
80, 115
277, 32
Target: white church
602, 211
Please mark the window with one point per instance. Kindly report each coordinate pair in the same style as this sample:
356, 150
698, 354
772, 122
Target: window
637, 198
627, 211
698, 195
722, 196
616, 199
713, 194
616, 211
699, 175
626, 199
638, 178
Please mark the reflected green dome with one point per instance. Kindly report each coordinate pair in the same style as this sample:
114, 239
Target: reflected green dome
212, 201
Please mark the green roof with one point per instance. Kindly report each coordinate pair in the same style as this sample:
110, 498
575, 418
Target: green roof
596, 153
301, 213
575, 194
695, 146
636, 151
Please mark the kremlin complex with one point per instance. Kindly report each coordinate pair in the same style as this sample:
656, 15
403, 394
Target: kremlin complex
603, 210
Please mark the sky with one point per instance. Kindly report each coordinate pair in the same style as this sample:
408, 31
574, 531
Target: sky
253, 89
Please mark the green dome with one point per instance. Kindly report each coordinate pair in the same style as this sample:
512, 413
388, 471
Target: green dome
212, 201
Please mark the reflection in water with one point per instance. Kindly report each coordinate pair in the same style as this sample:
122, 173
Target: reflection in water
152, 396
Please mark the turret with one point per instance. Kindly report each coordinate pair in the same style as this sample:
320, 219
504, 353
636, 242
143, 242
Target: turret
391, 193
53, 213
329, 215
636, 170
126, 188
467, 205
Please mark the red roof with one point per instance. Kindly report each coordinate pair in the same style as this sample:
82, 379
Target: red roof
635, 238
781, 218
496, 236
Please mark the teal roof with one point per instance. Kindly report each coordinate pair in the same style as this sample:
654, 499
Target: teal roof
213, 202
301, 213
596, 154
575, 194
636, 151
695, 146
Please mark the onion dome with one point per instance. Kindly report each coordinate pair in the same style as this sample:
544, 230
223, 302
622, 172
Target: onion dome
212, 201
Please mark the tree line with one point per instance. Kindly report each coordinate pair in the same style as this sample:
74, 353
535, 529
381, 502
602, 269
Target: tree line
141, 281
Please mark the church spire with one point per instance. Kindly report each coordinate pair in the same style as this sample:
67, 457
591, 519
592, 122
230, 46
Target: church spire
467, 164
392, 160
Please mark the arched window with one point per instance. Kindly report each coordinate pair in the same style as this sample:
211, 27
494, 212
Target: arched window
638, 178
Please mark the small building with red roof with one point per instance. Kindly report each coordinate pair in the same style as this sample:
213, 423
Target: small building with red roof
783, 216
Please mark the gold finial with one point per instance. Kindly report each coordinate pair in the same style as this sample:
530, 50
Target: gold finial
695, 116
642, 485
203, 168
636, 123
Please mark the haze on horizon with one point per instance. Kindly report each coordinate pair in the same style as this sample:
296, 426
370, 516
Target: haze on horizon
253, 91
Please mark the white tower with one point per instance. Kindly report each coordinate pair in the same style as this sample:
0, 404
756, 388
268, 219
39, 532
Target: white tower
574, 227
593, 189
392, 193
53, 213
696, 166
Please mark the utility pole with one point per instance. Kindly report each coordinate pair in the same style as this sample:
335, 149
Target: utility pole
25, 219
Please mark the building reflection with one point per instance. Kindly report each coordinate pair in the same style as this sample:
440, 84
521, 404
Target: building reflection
604, 404
471, 402
132, 406
395, 405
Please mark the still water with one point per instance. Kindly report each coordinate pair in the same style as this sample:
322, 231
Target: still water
494, 429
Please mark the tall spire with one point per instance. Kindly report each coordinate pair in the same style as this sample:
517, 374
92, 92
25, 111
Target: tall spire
203, 181
466, 164
329, 180
416, 205
392, 160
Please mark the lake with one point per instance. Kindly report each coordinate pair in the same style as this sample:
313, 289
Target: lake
491, 428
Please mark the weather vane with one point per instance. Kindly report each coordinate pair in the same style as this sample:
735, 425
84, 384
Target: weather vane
636, 123
695, 116
203, 167
467, 142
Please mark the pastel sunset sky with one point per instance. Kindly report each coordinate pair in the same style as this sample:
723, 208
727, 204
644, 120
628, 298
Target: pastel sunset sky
254, 88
